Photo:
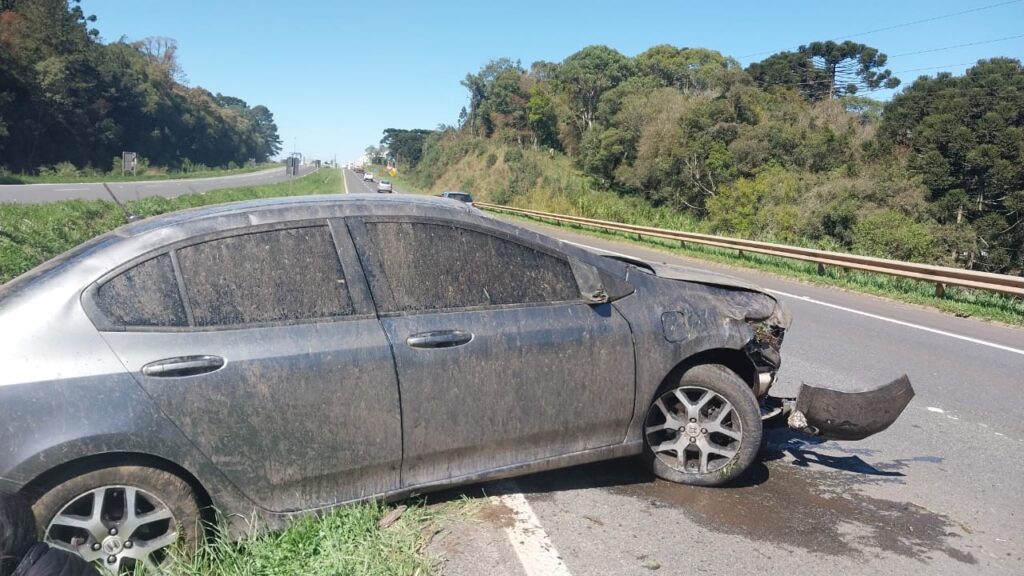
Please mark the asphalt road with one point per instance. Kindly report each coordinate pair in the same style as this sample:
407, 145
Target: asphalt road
42, 193
940, 492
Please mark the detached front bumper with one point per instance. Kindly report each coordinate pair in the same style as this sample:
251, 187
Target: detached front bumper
836, 415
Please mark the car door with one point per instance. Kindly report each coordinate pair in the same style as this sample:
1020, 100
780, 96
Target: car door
500, 361
264, 348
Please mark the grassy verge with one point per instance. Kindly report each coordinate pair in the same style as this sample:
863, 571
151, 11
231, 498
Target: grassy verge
345, 541
33, 233
958, 301
152, 174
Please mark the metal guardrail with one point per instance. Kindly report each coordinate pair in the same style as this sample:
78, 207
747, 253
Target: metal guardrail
942, 276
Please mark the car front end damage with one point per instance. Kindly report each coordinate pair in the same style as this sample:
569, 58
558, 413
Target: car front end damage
816, 410
819, 410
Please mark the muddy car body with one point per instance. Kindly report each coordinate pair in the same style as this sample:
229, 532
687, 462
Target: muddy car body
288, 355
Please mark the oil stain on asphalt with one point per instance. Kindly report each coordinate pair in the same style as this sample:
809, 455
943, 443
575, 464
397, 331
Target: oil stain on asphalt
794, 508
797, 497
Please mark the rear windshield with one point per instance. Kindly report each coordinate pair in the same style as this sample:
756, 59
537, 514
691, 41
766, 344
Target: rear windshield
461, 197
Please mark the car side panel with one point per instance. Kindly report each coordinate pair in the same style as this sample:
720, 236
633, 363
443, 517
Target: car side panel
299, 417
535, 382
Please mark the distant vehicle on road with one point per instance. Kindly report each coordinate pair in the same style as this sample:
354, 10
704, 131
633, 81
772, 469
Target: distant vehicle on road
284, 355
357, 169
460, 196
368, 177
384, 186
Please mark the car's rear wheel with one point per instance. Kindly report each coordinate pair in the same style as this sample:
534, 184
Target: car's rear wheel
704, 429
121, 516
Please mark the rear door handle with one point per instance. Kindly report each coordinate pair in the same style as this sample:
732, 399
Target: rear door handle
439, 339
183, 366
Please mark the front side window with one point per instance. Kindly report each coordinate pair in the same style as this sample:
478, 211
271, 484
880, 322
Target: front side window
145, 295
273, 276
431, 266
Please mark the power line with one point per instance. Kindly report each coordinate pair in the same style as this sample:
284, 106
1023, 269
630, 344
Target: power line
906, 24
932, 19
959, 46
935, 67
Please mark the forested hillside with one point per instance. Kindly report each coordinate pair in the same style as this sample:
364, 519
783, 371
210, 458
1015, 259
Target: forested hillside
788, 149
66, 96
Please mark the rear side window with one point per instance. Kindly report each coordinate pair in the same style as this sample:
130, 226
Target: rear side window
437, 266
279, 275
146, 295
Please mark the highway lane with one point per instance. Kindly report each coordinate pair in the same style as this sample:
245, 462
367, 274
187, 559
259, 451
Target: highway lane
939, 492
356, 185
43, 193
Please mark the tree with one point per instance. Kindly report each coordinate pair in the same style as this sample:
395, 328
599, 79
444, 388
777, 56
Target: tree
543, 119
965, 138
479, 85
66, 97
268, 141
584, 76
684, 68
826, 70
405, 146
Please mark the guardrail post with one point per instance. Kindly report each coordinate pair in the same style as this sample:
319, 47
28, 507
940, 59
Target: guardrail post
821, 269
940, 289
639, 237
682, 244
740, 253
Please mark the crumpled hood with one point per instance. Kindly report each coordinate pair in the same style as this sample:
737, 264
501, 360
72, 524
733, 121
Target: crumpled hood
701, 277
748, 300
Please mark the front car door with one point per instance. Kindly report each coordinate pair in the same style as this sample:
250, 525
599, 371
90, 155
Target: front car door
264, 348
500, 361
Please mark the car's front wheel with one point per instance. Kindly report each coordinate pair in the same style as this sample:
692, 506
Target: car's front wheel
121, 516
704, 429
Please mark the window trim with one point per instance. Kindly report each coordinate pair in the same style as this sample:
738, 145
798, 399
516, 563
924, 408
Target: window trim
374, 276
359, 295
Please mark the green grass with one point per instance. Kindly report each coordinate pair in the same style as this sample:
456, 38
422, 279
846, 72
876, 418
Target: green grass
30, 234
959, 301
151, 174
346, 541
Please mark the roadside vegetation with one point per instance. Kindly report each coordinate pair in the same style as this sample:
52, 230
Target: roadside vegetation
70, 102
786, 150
66, 172
30, 234
348, 541
935, 175
566, 191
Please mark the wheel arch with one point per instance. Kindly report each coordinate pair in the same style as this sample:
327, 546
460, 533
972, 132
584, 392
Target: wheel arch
735, 360
65, 471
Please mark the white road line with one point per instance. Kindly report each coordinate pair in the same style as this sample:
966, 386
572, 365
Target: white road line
344, 180
70, 189
530, 541
852, 311
902, 323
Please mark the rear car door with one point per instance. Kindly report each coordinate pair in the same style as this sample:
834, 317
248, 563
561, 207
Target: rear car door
500, 361
262, 345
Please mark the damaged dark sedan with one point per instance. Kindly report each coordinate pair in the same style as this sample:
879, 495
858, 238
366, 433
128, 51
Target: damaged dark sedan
283, 356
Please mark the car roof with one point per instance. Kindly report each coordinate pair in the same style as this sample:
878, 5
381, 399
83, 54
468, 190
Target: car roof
398, 204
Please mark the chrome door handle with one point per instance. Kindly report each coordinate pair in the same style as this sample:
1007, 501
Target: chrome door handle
183, 366
439, 339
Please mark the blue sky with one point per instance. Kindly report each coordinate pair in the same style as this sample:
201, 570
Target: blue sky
336, 74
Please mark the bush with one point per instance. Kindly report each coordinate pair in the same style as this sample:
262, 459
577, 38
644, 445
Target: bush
891, 234
764, 207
